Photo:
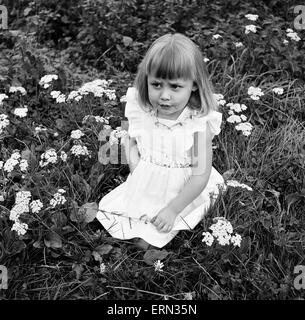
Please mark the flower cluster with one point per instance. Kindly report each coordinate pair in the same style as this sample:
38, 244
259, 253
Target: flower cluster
58, 198
250, 28
292, 35
17, 89
235, 184
3, 96
21, 206
21, 112
116, 134
45, 80
95, 118
222, 232
97, 87
278, 91
238, 44
217, 36
158, 265
14, 160
40, 128
4, 122
252, 17
79, 150
219, 99
60, 97
255, 93
244, 127
76, 134
47, 157
36, 206
63, 156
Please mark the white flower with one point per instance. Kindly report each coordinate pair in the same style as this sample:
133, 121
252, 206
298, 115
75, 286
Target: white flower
219, 99
235, 184
1, 164
250, 28
206, 60
235, 240
245, 127
40, 128
21, 112
116, 134
123, 99
58, 198
2, 97
76, 134
63, 156
49, 156
158, 265
55, 94
36, 206
23, 165
278, 91
285, 41
45, 80
189, 295
255, 93
238, 44
252, 17
96, 118
236, 107
4, 122
23, 197
222, 232
294, 36
289, 30
75, 95
208, 238
61, 98
102, 268
216, 36
21, 206
234, 118
12, 161
78, 150
17, 89
20, 227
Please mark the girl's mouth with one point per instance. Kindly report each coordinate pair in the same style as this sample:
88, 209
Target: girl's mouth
164, 106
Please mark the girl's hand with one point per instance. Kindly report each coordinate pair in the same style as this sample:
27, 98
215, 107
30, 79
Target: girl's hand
165, 219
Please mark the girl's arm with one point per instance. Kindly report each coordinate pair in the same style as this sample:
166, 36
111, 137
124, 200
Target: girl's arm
131, 153
202, 154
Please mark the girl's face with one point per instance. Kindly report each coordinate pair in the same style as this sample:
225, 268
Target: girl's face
169, 97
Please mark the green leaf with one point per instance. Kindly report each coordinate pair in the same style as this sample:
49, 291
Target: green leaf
53, 240
127, 41
103, 249
152, 255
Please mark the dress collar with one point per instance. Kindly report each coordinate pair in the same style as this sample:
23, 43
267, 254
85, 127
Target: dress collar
185, 115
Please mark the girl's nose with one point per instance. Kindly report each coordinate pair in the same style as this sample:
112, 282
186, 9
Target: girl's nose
165, 94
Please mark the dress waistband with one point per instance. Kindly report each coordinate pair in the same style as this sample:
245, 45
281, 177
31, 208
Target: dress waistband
175, 165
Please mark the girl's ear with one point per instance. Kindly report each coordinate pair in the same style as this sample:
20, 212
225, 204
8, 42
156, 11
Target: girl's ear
195, 87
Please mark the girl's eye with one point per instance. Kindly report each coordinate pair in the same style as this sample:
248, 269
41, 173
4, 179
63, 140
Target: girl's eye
156, 85
175, 86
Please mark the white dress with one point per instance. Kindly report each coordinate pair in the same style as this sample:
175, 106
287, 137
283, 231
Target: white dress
161, 173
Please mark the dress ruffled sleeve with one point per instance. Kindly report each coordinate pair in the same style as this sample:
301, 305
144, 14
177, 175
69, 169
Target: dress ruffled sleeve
133, 112
213, 119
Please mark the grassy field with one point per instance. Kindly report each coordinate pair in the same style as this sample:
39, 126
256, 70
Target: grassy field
51, 176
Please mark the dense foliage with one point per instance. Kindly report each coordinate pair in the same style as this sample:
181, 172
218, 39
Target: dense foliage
80, 41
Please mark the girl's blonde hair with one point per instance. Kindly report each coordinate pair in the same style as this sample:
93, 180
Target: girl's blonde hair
175, 56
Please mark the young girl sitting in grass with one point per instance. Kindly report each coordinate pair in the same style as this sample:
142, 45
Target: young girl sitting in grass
172, 119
